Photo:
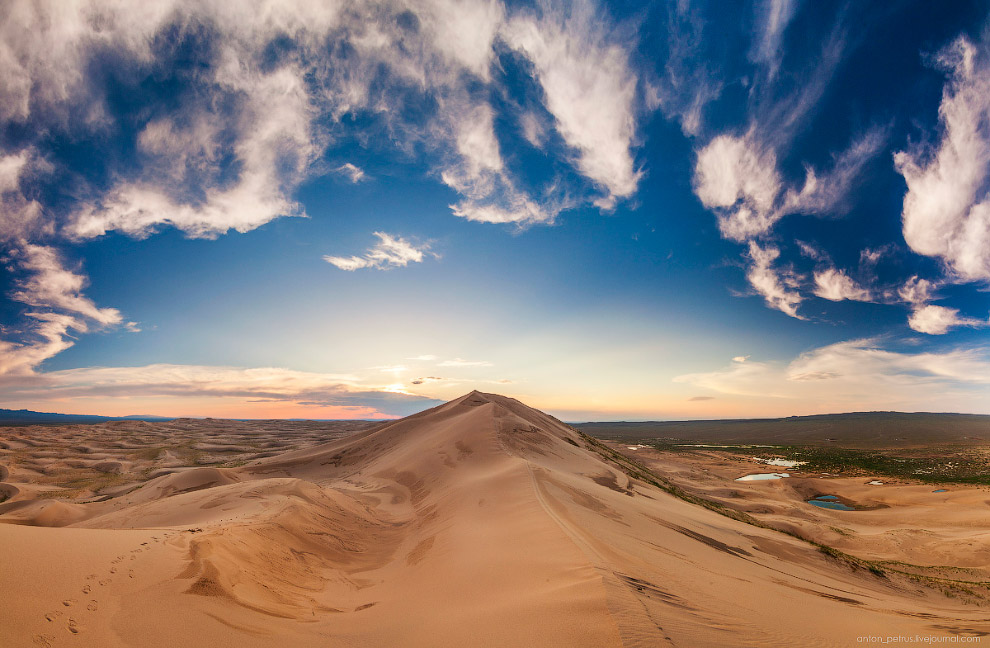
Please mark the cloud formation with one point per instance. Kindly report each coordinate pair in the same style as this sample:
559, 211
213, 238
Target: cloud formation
202, 382
229, 110
946, 211
859, 373
938, 320
460, 362
777, 286
739, 177
836, 285
389, 252
589, 88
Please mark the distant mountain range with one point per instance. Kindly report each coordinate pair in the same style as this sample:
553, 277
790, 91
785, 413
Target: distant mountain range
27, 417
858, 429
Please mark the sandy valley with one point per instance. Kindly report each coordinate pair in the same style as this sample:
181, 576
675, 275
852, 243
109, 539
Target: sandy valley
481, 522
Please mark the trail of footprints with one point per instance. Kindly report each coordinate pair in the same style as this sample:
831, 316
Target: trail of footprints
74, 621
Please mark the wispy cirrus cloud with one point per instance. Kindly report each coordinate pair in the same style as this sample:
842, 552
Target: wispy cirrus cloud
773, 16
777, 286
230, 111
353, 172
861, 374
738, 175
195, 382
460, 362
389, 252
589, 86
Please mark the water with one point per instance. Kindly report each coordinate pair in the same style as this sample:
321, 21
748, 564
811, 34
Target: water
875, 482
783, 463
830, 502
941, 490
763, 476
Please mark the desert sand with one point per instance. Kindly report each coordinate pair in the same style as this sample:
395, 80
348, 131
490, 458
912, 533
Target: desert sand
481, 522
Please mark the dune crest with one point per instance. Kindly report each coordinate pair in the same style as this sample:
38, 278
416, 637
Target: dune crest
480, 522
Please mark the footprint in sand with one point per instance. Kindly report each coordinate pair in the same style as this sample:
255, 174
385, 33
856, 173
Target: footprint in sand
51, 616
45, 641
86, 589
69, 602
113, 570
106, 581
93, 606
130, 572
73, 627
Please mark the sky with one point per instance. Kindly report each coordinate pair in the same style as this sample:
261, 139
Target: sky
673, 210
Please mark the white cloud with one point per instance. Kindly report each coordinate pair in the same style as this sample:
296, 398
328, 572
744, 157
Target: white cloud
460, 362
354, 173
738, 178
533, 129
689, 82
424, 358
511, 207
47, 339
272, 121
946, 211
479, 163
836, 285
49, 285
776, 286
275, 148
825, 194
938, 320
197, 381
859, 374
740, 359
57, 306
917, 291
390, 252
870, 257
589, 88
773, 17
20, 216
811, 251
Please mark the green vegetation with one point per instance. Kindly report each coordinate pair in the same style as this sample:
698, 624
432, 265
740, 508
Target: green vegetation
952, 587
958, 465
933, 465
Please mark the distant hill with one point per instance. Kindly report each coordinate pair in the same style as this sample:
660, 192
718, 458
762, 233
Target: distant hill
859, 429
27, 417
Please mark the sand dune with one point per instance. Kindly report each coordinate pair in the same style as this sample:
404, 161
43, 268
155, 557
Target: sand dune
481, 522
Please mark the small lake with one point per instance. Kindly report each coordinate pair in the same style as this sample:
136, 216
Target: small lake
941, 490
763, 476
830, 502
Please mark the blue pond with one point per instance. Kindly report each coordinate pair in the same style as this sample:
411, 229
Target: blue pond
830, 502
941, 490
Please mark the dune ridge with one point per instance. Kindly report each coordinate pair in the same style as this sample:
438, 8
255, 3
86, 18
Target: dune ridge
480, 522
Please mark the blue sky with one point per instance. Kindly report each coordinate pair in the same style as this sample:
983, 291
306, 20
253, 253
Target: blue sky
677, 210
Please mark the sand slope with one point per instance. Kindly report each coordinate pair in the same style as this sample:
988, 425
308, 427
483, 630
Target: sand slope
478, 523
